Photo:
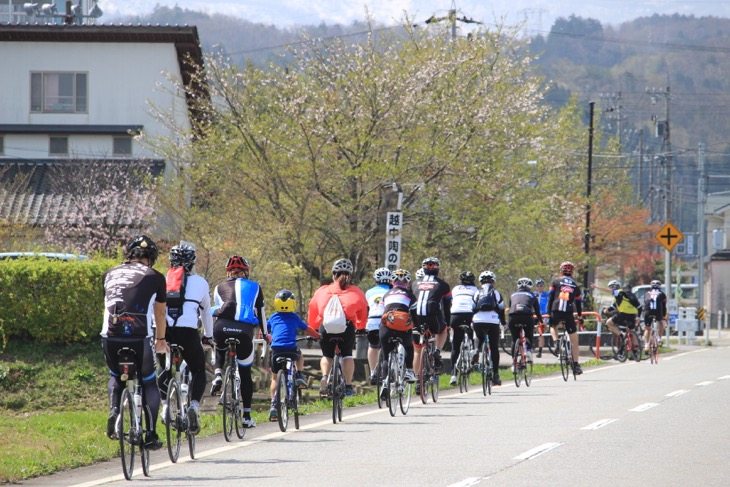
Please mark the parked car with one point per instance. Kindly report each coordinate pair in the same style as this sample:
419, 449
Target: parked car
48, 255
689, 294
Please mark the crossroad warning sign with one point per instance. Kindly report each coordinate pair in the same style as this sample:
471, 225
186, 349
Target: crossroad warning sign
669, 236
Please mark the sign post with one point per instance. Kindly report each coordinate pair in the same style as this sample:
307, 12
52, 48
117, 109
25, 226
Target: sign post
393, 229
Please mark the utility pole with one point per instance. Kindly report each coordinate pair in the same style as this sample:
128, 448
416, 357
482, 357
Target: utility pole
587, 236
452, 18
702, 200
639, 173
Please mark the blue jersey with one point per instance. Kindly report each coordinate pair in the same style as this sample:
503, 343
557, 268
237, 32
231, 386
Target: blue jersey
284, 328
543, 299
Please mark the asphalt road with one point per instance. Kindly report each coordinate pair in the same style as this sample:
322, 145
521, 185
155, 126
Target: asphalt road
640, 424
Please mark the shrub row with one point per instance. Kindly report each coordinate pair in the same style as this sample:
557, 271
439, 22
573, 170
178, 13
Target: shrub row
52, 301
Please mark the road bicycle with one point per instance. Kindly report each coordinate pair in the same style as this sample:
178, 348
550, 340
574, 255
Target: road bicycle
624, 348
653, 340
565, 352
521, 363
178, 401
399, 391
231, 397
380, 373
462, 368
428, 377
129, 422
486, 366
336, 384
287, 395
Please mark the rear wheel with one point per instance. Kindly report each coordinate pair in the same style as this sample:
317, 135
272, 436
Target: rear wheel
174, 420
564, 362
379, 376
191, 438
338, 389
127, 433
295, 406
434, 379
228, 398
392, 383
405, 398
528, 372
637, 347
618, 346
282, 404
145, 454
423, 377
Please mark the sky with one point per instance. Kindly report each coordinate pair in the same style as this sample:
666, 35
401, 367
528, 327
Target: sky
538, 15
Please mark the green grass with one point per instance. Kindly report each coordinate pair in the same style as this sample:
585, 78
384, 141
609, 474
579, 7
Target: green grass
53, 408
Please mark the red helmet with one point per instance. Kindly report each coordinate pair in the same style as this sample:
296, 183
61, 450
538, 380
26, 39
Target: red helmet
237, 262
567, 268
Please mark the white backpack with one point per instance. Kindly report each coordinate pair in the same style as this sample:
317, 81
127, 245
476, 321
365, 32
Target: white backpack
333, 319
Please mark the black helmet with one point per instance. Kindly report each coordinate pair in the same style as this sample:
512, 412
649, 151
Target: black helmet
467, 277
285, 301
182, 256
141, 247
430, 266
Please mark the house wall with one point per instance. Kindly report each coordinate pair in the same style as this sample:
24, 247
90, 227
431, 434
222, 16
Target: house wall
124, 80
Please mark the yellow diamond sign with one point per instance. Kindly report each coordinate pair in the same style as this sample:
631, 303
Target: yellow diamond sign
669, 236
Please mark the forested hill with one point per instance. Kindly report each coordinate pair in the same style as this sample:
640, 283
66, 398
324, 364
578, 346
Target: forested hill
684, 60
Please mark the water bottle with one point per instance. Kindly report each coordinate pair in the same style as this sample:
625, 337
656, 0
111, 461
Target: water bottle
184, 390
138, 404
238, 382
401, 356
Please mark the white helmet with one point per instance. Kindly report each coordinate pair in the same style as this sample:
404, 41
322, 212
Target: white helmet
524, 282
614, 284
420, 274
382, 275
342, 265
487, 276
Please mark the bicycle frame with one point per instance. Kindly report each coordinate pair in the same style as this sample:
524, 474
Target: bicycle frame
130, 405
231, 394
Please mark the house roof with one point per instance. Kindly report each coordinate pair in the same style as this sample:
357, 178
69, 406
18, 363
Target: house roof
185, 38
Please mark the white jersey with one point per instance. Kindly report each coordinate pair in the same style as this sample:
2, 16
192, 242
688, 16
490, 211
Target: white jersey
376, 307
196, 289
462, 298
488, 316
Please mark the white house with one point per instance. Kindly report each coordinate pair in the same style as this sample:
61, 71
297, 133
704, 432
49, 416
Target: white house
83, 91
717, 264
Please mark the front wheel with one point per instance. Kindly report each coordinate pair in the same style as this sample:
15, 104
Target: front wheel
282, 393
174, 420
127, 433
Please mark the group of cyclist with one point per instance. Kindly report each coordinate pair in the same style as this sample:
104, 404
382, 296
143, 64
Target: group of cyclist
137, 316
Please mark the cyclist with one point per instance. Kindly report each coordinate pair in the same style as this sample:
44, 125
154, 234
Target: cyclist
134, 296
397, 321
542, 297
433, 307
655, 304
565, 299
626, 305
488, 316
462, 311
240, 307
355, 308
182, 329
284, 324
523, 308
374, 295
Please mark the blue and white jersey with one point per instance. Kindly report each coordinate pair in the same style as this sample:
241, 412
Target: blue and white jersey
374, 295
462, 298
241, 300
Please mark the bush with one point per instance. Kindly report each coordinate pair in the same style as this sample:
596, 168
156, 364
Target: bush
52, 301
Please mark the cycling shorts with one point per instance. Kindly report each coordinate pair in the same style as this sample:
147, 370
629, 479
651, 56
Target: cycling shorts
374, 338
568, 318
277, 352
434, 323
346, 344
624, 319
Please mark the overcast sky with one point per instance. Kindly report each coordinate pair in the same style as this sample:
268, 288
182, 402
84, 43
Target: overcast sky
540, 14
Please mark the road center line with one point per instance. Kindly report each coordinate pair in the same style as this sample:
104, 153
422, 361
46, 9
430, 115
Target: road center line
724, 377
537, 451
468, 482
705, 383
677, 393
644, 407
599, 424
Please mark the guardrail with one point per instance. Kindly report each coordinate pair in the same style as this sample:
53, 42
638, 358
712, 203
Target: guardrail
585, 314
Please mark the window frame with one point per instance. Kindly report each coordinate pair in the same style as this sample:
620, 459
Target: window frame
128, 139
78, 103
50, 145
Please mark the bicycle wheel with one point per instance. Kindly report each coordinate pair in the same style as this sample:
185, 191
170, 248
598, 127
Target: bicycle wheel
229, 407
238, 416
506, 344
335, 382
552, 345
144, 453
282, 405
405, 396
434, 378
653, 348
295, 406
569, 356
564, 363
191, 438
618, 345
174, 420
527, 371
393, 373
517, 364
423, 377
127, 433
379, 379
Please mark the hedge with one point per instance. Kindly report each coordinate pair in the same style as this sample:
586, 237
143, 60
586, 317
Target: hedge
52, 301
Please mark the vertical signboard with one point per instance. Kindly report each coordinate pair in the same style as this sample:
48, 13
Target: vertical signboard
393, 227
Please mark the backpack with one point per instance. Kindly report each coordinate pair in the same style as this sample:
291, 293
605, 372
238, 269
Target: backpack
632, 299
333, 318
177, 280
487, 301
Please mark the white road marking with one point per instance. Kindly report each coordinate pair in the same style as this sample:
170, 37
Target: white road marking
705, 383
599, 424
537, 451
468, 482
724, 377
677, 393
686, 353
644, 407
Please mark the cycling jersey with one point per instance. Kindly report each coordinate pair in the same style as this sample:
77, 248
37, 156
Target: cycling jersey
284, 328
565, 296
495, 316
197, 295
241, 300
524, 303
543, 297
353, 302
374, 296
433, 297
130, 290
398, 299
655, 303
462, 298
623, 305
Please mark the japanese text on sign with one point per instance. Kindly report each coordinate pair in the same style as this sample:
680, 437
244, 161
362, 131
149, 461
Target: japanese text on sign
393, 227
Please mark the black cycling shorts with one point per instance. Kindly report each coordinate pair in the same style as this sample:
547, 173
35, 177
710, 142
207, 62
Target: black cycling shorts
346, 343
374, 338
624, 319
567, 318
435, 323
277, 352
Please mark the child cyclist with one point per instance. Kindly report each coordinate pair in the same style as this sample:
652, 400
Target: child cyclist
283, 325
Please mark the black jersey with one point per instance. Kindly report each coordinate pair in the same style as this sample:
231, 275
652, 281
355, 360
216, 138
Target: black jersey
655, 303
433, 295
130, 291
565, 296
524, 303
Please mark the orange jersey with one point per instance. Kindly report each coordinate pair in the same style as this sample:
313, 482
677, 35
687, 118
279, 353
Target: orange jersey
353, 302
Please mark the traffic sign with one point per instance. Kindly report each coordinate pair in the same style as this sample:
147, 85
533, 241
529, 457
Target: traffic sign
669, 236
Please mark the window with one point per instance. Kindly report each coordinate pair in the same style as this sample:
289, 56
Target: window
58, 146
58, 92
122, 146
2, 145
